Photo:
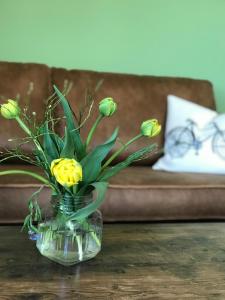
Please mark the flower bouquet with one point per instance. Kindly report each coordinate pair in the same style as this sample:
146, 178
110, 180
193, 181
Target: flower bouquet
77, 175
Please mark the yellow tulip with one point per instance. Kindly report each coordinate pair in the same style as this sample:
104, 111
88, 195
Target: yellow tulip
67, 172
150, 128
107, 107
10, 110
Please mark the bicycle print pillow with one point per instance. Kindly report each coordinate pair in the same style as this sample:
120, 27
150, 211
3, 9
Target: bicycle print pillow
194, 139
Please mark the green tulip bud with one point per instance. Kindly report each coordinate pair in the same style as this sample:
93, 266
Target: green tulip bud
150, 128
10, 110
107, 107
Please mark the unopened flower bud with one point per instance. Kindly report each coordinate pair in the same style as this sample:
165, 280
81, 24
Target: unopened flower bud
107, 107
10, 110
150, 128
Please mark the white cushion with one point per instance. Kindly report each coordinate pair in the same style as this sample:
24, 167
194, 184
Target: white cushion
194, 139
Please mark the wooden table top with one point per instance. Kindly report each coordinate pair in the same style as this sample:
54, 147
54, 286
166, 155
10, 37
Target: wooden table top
137, 261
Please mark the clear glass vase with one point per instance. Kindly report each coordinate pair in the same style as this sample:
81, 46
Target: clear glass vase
70, 242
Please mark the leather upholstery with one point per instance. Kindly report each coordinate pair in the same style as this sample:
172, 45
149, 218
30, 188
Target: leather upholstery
17, 80
137, 193
139, 98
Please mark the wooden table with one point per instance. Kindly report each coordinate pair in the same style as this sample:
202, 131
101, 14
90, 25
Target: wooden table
138, 261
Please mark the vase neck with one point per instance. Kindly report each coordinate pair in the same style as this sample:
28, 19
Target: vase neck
68, 204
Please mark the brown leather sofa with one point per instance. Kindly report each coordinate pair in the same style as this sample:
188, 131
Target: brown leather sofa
137, 193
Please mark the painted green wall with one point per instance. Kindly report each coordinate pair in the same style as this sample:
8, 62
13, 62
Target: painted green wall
155, 37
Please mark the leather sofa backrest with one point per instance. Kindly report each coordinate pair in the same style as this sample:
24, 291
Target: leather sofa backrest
31, 83
139, 98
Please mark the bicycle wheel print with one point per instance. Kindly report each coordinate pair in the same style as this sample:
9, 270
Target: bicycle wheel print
178, 141
218, 144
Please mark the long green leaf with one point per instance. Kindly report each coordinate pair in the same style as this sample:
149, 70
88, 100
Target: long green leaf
83, 213
58, 141
109, 172
68, 150
50, 146
71, 127
91, 164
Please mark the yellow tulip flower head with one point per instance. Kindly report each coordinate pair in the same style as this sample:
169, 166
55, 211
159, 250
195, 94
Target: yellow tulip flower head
107, 107
150, 128
67, 172
10, 110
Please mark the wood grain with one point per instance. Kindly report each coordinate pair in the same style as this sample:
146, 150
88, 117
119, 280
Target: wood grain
137, 261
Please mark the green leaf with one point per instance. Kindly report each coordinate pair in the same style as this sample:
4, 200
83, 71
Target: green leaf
38, 214
91, 164
49, 143
72, 129
58, 141
39, 157
68, 148
109, 172
83, 213
34, 212
26, 223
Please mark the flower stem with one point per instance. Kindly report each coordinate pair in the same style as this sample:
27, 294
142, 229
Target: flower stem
95, 238
98, 120
119, 151
34, 139
23, 126
79, 246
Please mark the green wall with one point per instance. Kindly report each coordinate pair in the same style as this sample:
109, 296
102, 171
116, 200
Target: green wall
155, 37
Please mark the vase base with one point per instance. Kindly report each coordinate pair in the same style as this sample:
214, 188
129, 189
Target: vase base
70, 242
67, 249
70, 259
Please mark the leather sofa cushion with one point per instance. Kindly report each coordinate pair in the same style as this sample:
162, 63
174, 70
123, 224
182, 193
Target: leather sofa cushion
138, 97
136, 194
143, 194
17, 79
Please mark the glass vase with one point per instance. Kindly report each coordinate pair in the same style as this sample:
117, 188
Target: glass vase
70, 242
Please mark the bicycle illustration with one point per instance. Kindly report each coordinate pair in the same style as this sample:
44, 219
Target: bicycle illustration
181, 139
